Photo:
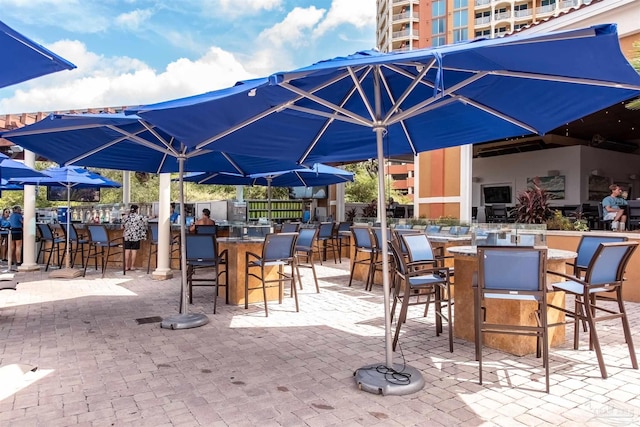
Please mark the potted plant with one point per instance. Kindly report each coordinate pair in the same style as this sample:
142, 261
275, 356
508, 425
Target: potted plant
350, 214
532, 205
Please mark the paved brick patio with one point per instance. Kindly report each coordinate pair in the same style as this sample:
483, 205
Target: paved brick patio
97, 366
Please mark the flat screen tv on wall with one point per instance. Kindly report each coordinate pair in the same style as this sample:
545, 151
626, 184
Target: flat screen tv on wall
308, 192
497, 194
59, 194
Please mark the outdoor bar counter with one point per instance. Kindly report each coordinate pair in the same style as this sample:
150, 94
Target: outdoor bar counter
513, 312
237, 248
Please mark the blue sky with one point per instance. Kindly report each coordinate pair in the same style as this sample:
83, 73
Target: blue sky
131, 52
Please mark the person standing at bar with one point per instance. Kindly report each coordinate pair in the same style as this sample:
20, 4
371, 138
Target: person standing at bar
16, 222
135, 230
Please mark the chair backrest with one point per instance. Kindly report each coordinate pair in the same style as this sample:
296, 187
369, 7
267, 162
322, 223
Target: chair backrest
73, 233
306, 238
153, 231
600, 211
325, 230
344, 226
499, 212
97, 233
419, 247
290, 227
207, 229
377, 235
279, 246
201, 247
398, 257
399, 232
433, 229
609, 262
588, 245
634, 208
512, 269
362, 237
45, 231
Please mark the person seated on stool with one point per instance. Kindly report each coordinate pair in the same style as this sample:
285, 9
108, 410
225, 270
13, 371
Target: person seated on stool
205, 219
614, 206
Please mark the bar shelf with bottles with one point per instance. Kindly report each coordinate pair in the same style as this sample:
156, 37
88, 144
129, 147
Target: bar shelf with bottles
281, 210
102, 213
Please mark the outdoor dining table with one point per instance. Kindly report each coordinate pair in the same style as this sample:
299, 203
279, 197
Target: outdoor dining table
501, 311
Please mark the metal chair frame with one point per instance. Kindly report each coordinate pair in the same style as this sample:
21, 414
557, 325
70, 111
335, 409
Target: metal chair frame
202, 253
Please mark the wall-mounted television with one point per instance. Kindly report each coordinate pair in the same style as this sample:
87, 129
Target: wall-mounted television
59, 194
496, 194
321, 192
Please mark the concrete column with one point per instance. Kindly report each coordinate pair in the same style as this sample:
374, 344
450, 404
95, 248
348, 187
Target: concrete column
163, 269
29, 227
466, 161
126, 188
340, 202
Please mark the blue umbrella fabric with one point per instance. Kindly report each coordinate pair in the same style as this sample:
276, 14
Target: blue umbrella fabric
471, 92
25, 59
377, 105
121, 142
318, 174
6, 185
69, 177
10, 169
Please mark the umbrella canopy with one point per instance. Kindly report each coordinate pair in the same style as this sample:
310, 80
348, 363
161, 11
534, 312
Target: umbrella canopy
69, 177
423, 99
10, 169
372, 104
25, 59
6, 185
116, 141
318, 174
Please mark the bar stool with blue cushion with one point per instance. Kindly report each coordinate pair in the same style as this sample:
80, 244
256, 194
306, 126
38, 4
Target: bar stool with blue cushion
50, 243
342, 236
290, 227
278, 251
304, 253
76, 244
512, 273
202, 253
210, 229
100, 246
325, 241
363, 243
601, 282
425, 282
587, 247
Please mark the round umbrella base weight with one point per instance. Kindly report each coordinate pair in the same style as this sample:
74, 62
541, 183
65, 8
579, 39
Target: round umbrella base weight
65, 273
184, 321
379, 379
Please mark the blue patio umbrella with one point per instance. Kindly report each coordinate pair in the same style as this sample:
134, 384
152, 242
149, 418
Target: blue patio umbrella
318, 174
10, 169
69, 177
5, 185
124, 142
24, 59
376, 105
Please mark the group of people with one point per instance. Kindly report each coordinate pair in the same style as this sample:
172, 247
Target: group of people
11, 222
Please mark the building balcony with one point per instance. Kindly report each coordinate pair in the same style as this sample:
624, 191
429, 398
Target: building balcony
523, 14
546, 10
406, 16
480, 3
566, 4
502, 16
404, 34
485, 20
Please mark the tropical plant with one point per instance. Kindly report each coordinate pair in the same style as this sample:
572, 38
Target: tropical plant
350, 214
532, 205
370, 210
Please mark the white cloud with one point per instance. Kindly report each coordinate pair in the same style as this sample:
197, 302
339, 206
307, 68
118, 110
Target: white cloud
359, 14
291, 31
120, 81
133, 20
233, 8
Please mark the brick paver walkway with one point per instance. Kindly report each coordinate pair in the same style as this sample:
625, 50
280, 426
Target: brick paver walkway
97, 366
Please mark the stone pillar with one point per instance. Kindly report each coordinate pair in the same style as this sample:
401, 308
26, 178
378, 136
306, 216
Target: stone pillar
163, 266
29, 227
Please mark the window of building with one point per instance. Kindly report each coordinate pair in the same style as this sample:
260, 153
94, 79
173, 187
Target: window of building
438, 41
484, 14
460, 19
460, 34
520, 7
483, 33
460, 4
439, 8
439, 26
548, 2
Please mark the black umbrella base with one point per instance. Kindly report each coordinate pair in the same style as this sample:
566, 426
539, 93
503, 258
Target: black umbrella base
184, 321
379, 379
